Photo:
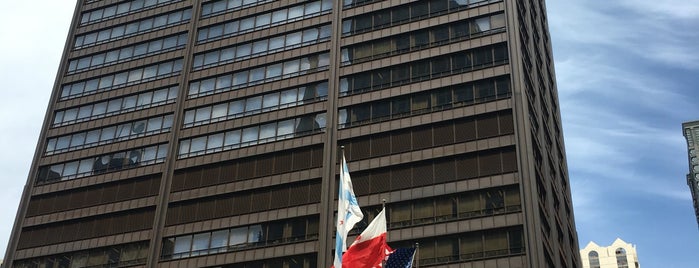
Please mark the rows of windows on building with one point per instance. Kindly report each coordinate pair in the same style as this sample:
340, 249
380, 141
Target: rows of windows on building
440, 209
250, 105
468, 205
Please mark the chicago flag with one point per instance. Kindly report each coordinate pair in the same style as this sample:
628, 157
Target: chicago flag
348, 213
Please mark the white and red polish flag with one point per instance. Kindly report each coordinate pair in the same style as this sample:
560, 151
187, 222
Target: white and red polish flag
370, 248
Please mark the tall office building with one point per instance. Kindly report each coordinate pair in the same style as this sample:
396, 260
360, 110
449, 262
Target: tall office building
189, 133
691, 133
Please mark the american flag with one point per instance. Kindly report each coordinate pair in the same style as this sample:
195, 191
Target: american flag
401, 258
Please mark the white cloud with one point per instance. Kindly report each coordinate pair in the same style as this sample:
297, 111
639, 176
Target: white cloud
658, 9
651, 30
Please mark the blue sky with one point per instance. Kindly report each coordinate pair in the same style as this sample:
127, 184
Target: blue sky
627, 72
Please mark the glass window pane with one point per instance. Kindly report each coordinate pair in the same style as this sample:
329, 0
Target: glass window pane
232, 138
293, 39
227, 54
85, 166
85, 112
310, 35
154, 124
182, 244
58, 118
70, 115
253, 104
200, 243
259, 47
135, 75
236, 107
70, 169
162, 152
320, 121
77, 139
295, 12
129, 102
240, 78
63, 143
215, 141
243, 50
92, 136
257, 75
198, 144
159, 96
238, 236
223, 82
250, 135
247, 24
169, 43
219, 239
114, 105
219, 110
279, 16
285, 127
231, 27
83, 63
274, 71
270, 100
184, 147
276, 43
263, 20
268, 131
210, 58
481, 25
108, 133
203, 113
255, 234
289, 96
291, 67
91, 85
207, 85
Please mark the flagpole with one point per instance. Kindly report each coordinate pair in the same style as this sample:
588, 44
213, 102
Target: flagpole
417, 255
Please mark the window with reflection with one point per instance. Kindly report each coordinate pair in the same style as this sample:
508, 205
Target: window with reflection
264, 20
413, 11
109, 134
434, 100
114, 256
132, 28
259, 75
472, 204
469, 246
217, 7
102, 164
115, 106
239, 238
421, 70
127, 53
621, 260
593, 257
420, 39
121, 9
237, 138
121, 79
256, 104
261, 47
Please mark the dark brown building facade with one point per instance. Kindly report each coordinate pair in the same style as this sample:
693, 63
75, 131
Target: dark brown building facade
189, 133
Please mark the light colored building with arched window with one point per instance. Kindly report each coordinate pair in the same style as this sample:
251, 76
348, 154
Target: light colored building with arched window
618, 255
